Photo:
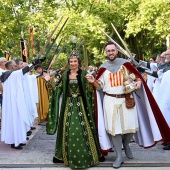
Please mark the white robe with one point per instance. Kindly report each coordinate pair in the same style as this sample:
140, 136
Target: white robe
29, 91
16, 119
34, 87
164, 103
151, 79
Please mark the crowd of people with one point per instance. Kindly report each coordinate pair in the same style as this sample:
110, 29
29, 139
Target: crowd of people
158, 72
92, 111
19, 100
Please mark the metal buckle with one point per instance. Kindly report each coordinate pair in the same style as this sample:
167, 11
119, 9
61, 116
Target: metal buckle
117, 95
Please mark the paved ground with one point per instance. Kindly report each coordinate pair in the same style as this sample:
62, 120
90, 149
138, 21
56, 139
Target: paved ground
39, 151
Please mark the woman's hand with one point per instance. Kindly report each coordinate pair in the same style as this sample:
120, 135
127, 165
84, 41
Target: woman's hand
90, 78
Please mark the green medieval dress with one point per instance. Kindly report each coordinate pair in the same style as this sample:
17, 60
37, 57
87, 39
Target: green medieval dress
73, 119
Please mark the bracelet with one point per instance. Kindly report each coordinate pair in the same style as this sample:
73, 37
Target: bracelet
96, 84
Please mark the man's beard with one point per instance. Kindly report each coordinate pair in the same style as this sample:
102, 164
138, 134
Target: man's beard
113, 58
167, 61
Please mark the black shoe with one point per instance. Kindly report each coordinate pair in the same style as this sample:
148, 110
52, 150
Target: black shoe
27, 138
33, 128
29, 133
165, 144
22, 144
16, 147
167, 147
55, 160
102, 159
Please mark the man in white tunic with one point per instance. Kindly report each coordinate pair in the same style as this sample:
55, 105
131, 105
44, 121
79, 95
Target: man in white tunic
153, 70
164, 103
118, 119
121, 122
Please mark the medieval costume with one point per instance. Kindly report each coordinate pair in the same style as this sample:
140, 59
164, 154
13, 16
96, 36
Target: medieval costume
164, 103
43, 99
73, 119
18, 110
149, 123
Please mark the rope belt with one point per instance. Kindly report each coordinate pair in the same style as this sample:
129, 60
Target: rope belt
118, 95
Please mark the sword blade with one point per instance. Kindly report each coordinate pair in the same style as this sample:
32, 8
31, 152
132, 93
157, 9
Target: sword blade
56, 37
55, 52
124, 44
117, 45
54, 59
49, 38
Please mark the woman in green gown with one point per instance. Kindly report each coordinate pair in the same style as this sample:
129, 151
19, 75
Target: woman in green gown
71, 114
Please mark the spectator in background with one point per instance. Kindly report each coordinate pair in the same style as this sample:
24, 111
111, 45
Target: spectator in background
83, 68
90, 70
152, 59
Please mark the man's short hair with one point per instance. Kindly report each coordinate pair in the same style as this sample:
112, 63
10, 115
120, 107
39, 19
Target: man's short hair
17, 61
2, 59
110, 43
37, 66
8, 63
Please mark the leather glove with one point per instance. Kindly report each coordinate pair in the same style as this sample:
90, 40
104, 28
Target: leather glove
36, 61
141, 69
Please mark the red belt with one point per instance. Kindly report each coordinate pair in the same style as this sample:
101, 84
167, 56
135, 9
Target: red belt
118, 95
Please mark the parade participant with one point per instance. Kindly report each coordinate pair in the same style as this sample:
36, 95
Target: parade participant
77, 143
150, 79
2, 64
10, 65
123, 117
153, 69
19, 64
43, 96
16, 115
164, 103
152, 59
2, 69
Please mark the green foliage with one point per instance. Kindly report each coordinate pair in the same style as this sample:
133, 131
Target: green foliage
143, 24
